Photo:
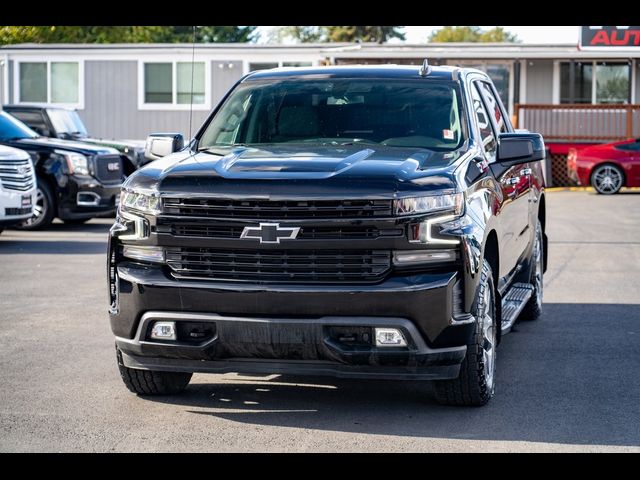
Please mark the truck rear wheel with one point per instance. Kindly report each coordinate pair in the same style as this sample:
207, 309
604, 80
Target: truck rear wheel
533, 308
475, 383
150, 382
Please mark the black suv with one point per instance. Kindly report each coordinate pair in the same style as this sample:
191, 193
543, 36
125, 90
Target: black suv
369, 222
76, 181
66, 124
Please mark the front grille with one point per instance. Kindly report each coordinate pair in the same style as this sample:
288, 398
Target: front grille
279, 265
16, 174
306, 233
267, 209
17, 211
109, 168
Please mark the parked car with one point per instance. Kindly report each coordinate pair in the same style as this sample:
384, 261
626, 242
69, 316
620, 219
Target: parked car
607, 167
75, 181
17, 187
66, 124
372, 222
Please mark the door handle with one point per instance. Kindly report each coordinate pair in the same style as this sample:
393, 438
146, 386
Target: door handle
525, 171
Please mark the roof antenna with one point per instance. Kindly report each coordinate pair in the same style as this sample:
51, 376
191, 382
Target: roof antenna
193, 58
425, 69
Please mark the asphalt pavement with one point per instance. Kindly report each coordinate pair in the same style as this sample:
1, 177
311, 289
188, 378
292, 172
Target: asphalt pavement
567, 382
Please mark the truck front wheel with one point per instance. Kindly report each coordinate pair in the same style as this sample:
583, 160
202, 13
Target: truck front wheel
475, 383
150, 382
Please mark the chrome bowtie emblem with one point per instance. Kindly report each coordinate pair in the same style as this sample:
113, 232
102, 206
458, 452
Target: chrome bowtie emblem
270, 233
23, 170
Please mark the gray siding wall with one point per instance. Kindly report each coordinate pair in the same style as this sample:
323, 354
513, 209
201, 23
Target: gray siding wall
111, 101
539, 81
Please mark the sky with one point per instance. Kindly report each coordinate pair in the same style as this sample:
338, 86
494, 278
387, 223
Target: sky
526, 34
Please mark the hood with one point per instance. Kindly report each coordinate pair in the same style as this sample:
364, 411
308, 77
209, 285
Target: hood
297, 170
69, 145
10, 153
136, 145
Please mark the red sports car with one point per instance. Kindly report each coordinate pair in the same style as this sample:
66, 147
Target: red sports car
607, 167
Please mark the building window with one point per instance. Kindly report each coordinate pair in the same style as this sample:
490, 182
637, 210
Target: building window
594, 82
170, 85
49, 82
262, 66
254, 66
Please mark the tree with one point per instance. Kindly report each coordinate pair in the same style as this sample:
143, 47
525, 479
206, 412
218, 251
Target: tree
305, 34
124, 34
472, 34
364, 34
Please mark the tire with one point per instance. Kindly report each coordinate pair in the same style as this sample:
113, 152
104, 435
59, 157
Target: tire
475, 384
150, 382
45, 208
607, 179
76, 221
533, 309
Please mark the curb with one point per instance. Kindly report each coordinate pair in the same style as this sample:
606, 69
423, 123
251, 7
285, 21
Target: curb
585, 189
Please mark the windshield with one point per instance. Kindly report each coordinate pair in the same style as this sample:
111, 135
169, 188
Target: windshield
67, 121
11, 128
398, 113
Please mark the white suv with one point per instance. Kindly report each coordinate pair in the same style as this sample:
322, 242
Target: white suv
17, 187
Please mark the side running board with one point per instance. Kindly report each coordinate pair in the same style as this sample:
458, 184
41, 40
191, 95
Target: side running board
513, 303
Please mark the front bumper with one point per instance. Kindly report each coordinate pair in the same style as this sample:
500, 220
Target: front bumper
96, 198
283, 328
16, 206
293, 346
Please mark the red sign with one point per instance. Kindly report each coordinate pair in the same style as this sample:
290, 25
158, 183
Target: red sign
609, 37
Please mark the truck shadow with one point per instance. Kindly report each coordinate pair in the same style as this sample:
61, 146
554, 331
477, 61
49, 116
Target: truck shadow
570, 378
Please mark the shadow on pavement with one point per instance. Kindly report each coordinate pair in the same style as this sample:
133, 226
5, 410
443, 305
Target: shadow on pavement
53, 247
571, 377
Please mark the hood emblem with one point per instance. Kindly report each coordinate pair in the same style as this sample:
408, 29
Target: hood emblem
270, 233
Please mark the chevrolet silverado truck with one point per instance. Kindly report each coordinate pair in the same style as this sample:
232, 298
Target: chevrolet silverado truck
361, 222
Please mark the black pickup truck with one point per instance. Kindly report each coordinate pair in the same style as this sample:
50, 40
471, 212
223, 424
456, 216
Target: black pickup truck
66, 124
359, 222
75, 181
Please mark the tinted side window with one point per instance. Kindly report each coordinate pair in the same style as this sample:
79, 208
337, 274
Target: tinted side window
634, 147
32, 119
493, 106
487, 134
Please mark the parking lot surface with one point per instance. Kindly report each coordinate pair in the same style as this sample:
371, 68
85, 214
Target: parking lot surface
568, 382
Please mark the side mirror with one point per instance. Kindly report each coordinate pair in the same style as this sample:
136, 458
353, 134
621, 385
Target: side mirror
162, 144
517, 148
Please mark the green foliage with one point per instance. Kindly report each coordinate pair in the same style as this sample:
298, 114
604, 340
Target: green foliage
124, 34
472, 34
307, 34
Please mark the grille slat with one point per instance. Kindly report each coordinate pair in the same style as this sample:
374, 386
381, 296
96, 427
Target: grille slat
306, 233
266, 209
16, 175
280, 265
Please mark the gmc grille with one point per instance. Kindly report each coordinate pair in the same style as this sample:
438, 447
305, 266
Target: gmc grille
16, 175
315, 266
267, 209
108, 168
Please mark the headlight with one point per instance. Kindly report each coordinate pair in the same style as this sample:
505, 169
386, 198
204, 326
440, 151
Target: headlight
450, 202
76, 162
145, 202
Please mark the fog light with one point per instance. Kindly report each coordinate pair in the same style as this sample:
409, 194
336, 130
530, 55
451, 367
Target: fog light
389, 337
164, 331
148, 254
412, 257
